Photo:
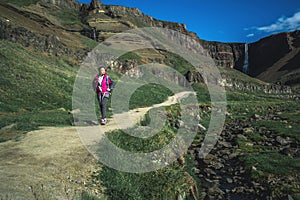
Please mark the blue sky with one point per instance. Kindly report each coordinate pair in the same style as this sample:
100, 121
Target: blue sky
223, 20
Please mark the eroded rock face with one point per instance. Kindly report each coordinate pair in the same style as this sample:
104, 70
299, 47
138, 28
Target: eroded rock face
49, 43
226, 54
241, 85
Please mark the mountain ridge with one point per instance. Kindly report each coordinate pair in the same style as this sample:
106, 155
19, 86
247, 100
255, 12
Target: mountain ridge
98, 22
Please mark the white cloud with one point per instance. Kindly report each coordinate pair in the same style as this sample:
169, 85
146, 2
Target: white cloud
283, 24
250, 35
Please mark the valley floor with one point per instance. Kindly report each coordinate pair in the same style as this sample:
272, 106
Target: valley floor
54, 163
256, 155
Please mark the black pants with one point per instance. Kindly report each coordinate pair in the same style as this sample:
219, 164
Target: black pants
102, 103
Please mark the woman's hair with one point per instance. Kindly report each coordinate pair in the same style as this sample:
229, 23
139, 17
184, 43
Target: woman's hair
101, 68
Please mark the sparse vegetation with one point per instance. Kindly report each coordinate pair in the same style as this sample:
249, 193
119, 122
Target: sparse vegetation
271, 163
67, 17
20, 2
41, 192
89, 42
130, 56
177, 62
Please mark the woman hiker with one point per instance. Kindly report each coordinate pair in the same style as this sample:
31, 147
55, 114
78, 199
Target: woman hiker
103, 86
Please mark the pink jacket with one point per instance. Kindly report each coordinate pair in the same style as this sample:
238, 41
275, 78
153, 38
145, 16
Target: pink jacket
107, 82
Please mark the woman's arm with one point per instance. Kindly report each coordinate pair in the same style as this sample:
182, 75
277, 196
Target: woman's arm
111, 83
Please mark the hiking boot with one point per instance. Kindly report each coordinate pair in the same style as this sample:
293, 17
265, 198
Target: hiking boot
103, 121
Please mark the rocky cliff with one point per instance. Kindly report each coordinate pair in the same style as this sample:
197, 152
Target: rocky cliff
114, 19
226, 54
276, 58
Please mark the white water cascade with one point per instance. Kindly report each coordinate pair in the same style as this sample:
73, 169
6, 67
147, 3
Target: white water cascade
246, 61
94, 34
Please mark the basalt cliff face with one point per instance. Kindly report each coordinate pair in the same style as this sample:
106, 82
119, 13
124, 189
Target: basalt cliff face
109, 20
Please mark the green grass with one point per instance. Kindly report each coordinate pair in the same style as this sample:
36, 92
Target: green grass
28, 120
177, 62
30, 81
134, 144
280, 128
130, 56
33, 88
173, 60
202, 92
148, 95
66, 16
288, 123
89, 42
248, 147
268, 163
254, 136
130, 143
237, 75
245, 109
161, 184
296, 196
278, 115
20, 2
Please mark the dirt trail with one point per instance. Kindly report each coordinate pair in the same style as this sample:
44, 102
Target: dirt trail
56, 158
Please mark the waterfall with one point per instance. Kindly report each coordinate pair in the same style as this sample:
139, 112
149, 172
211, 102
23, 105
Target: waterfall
94, 34
246, 61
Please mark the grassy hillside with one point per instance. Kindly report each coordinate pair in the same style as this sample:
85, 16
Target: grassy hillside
19, 2
35, 89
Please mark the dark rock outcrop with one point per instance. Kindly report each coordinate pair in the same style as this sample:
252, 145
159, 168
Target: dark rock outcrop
95, 4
